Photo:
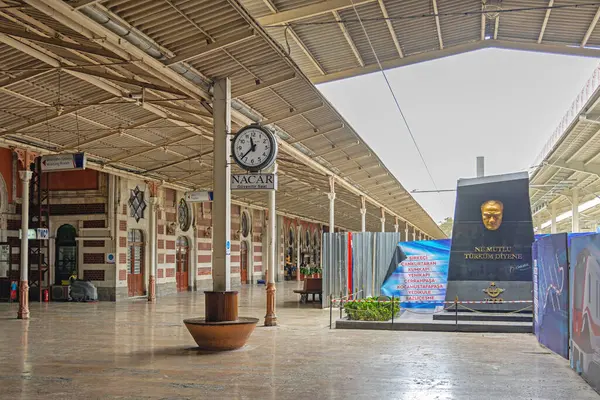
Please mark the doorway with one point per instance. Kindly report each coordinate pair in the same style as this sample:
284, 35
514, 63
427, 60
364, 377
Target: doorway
244, 261
135, 263
65, 265
183, 261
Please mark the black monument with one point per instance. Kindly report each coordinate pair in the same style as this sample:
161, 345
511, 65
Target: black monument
490, 257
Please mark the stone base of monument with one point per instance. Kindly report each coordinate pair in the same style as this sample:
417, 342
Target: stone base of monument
431, 325
488, 317
221, 329
475, 291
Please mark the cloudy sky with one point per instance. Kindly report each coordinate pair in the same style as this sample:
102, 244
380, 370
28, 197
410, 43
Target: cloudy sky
500, 104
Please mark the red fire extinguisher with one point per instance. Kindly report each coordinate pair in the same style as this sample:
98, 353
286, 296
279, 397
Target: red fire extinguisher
45, 297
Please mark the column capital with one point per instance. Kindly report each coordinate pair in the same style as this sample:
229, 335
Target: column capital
25, 175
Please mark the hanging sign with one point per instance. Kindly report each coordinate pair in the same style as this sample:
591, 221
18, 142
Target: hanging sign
33, 234
197, 197
253, 182
110, 258
63, 162
227, 248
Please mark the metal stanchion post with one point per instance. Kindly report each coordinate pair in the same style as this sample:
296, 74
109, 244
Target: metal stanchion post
393, 311
330, 309
341, 304
456, 311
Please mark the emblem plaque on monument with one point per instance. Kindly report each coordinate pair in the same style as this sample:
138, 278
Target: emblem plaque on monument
491, 242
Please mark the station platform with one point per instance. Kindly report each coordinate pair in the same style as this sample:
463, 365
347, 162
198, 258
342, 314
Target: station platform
137, 350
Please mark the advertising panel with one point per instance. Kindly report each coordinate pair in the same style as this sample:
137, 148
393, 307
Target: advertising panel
552, 309
421, 277
584, 257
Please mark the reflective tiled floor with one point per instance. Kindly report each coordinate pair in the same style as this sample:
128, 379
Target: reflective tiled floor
136, 350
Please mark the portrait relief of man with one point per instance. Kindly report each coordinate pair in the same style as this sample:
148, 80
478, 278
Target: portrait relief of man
491, 214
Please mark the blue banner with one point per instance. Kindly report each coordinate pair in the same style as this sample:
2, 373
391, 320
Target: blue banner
552, 294
420, 279
584, 279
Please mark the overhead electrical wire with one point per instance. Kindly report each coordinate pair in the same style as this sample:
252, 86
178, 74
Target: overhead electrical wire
412, 136
441, 14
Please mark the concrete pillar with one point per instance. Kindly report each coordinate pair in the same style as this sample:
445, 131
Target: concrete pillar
414, 234
396, 225
222, 186
363, 214
382, 219
575, 204
23, 312
152, 246
553, 227
271, 317
406, 233
331, 196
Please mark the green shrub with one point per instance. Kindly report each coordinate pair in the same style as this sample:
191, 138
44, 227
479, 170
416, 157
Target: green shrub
370, 309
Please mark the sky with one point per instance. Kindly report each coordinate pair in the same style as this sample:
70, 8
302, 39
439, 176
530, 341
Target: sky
500, 104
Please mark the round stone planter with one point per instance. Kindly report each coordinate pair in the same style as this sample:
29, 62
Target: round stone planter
221, 336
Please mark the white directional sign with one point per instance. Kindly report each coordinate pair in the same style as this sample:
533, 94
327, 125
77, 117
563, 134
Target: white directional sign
32, 234
253, 182
63, 162
196, 197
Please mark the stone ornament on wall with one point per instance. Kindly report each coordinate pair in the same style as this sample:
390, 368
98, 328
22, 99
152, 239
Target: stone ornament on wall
137, 204
184, 215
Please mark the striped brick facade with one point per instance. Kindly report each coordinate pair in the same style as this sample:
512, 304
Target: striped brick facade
102, 228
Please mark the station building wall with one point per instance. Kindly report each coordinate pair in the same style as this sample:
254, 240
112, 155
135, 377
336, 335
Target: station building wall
82, 199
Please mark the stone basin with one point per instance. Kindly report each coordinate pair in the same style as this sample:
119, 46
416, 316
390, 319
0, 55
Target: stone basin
220, 336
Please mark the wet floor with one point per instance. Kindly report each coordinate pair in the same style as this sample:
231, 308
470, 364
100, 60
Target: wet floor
136, 350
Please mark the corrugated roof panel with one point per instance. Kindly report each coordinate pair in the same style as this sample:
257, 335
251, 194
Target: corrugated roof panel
378, 33
568, 25
417, 34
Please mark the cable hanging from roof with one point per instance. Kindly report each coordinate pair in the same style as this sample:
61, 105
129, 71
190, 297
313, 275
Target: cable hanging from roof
412, 136
479, 12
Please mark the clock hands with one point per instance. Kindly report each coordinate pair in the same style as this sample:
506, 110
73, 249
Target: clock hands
252, 148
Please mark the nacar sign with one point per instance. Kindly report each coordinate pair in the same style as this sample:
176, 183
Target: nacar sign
253, 182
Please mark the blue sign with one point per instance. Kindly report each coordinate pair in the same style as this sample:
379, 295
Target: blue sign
420, 280
227, 248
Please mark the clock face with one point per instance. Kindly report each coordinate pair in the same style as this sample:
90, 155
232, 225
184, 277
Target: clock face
253, 148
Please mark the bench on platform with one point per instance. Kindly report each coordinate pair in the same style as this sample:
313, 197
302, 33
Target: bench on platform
311, 286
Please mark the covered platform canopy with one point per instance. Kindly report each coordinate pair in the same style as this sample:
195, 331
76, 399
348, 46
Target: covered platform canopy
336, 39
129, 83
565, 179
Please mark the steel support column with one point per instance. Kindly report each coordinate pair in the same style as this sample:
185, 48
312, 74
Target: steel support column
152, 245
222, 186
575, 205
23, 312
382, 219
271, 317
363, 214
553, 227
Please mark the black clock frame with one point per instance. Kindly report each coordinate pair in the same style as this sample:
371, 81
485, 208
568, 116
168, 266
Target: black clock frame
267, 162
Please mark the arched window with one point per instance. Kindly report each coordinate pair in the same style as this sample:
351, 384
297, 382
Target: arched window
66, 255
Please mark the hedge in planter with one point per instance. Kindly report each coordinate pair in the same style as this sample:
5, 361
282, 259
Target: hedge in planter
370, 309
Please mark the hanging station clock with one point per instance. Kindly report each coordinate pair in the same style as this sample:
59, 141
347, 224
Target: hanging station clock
254, 148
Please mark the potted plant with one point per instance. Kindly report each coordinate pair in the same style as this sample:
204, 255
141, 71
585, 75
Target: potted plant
304, 272
317, 271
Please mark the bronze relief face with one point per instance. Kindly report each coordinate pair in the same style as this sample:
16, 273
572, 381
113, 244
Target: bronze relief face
491, 214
